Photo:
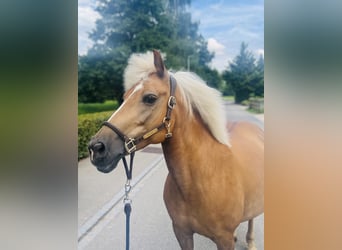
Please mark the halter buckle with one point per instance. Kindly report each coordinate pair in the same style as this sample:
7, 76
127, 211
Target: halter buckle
130, 146
171, 102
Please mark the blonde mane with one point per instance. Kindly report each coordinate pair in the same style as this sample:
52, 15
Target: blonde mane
197, 95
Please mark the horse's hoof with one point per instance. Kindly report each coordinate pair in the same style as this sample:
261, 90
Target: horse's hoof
252, 247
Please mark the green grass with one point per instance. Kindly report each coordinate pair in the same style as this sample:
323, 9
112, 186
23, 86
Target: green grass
229, 98
253, 111
86, 108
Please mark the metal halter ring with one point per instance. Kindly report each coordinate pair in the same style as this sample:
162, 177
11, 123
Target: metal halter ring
171, 102
167, 125
130, 145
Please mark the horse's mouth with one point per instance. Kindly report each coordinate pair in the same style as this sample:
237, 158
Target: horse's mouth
111, 166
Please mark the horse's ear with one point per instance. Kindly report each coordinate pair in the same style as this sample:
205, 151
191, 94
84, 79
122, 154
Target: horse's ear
158, 63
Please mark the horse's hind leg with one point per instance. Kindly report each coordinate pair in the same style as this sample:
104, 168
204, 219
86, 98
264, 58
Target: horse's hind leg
250, 236
185, 239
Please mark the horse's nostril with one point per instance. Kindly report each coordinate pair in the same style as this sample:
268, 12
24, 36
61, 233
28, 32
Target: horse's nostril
96, 147
99, 147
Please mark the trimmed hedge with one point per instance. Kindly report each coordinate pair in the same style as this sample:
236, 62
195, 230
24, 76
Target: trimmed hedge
88, 125
85, 108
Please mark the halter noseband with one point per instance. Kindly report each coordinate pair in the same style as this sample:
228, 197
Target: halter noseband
131, 143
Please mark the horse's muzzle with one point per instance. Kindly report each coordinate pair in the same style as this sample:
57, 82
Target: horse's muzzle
103, 155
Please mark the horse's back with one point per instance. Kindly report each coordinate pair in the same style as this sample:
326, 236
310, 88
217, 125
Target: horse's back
247, 141
246, 138
240, 129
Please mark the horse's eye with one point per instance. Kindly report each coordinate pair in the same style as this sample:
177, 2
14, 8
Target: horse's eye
149, 99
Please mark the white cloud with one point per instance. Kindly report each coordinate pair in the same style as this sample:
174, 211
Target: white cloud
220, 63
215, 46
260, 52
220, 60
87, 17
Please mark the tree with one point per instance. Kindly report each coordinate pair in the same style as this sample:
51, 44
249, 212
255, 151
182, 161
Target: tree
98, 78
259, 88
127, 27
243, 75
260, 64
211, 77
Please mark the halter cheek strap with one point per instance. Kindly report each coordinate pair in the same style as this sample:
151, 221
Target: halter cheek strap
131, 143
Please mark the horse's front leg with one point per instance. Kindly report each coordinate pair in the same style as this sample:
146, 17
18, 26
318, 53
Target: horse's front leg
185, 238
226, 242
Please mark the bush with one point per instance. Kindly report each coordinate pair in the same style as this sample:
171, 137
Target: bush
88, 125
245, 103
256, 104
84, 108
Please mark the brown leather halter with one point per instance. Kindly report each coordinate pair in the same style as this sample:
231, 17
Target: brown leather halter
131, 143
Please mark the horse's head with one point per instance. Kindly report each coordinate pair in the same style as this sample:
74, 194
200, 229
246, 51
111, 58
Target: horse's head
142, 119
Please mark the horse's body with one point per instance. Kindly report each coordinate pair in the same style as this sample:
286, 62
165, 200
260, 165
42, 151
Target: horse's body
211, 191
213, 184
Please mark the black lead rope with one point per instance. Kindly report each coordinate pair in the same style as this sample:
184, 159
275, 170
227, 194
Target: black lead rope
128, 214
129, 169
128, 201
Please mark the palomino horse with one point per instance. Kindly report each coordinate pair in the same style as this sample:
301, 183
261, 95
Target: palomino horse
216, 177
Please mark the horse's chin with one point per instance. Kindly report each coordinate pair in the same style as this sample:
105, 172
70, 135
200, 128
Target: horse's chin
110, 167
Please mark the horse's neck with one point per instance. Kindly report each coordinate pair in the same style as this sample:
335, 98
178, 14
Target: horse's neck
184, 152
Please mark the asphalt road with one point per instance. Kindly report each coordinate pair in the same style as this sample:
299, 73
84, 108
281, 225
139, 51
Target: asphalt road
101, 218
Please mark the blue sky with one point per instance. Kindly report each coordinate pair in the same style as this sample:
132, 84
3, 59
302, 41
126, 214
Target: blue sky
224, 24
